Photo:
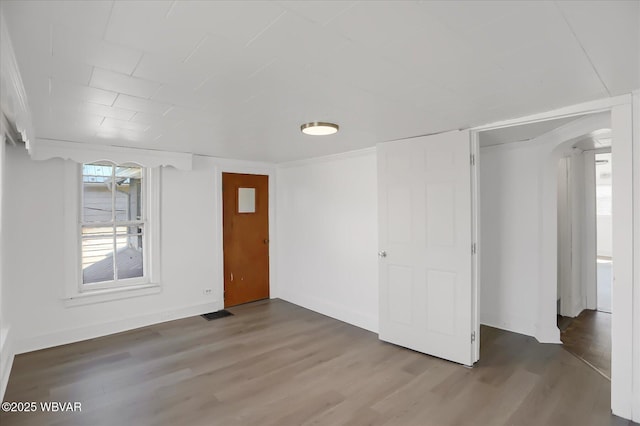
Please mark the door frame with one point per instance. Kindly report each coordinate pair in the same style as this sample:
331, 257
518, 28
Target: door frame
221, 166
474, 148
623, 325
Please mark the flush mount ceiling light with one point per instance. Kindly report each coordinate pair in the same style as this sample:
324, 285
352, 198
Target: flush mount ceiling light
318, 128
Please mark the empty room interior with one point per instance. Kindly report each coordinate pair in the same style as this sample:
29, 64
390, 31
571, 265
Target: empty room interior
320, 212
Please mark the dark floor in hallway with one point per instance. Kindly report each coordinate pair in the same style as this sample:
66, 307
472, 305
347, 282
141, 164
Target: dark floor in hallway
588, 336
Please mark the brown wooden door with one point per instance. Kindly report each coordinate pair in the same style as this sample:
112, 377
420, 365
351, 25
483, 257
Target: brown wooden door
245, 223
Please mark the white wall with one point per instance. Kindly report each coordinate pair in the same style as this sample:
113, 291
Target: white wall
328, 236
576, 233
604, 226
35, 265
510, 236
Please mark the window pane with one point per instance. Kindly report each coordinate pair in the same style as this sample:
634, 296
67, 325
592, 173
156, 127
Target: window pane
246, 200
96, 193
97, 254
129, 259
128, 193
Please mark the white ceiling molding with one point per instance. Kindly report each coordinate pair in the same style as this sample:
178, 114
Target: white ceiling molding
45, 149
13, 97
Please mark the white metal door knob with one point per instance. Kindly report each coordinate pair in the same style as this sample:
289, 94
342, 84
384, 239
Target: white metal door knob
382, 253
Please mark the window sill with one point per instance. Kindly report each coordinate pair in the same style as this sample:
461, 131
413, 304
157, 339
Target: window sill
107, 295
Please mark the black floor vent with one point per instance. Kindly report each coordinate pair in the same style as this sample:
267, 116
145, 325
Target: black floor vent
215, 315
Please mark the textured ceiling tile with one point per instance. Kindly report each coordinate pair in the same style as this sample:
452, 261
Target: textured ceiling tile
239, 22
142, 105
221, 58
123, 124
540, 24
311, 40
122, 83
82, 93
467, 16
182, 95
320, 12
106, 111
117, 135
169, 70
616, 40
145, 25
88, 18
73, 47
401, 32
153, 120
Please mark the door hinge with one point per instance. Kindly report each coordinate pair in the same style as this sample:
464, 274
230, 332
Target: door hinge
473, 248
473, 160
473, 336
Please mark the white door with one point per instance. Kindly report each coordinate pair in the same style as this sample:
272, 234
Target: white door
424, 206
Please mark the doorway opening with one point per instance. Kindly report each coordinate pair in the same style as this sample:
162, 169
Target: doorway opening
536, 228
528, 303
585, 250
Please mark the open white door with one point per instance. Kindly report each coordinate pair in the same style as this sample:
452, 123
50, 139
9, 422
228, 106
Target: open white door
424, 206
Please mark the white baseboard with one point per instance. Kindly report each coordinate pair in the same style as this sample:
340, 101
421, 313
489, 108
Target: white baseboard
338, 312
6, 359
92, 331
515, 325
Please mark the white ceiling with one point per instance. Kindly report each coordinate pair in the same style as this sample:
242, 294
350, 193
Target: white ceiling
237, 79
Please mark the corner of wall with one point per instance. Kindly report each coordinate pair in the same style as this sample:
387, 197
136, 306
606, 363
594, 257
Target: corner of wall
508, 323
333, 310
548, 334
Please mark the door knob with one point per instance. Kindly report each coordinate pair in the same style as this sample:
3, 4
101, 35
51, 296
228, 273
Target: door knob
266, 241
382, 253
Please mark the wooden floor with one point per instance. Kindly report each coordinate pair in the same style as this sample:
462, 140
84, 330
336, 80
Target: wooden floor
274, 363
588, 336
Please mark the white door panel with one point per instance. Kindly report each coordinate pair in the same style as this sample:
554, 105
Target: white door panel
425, 229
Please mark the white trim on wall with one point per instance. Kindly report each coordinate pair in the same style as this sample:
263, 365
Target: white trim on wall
475, 239
92, 331
622, 335
45, 149
12, 92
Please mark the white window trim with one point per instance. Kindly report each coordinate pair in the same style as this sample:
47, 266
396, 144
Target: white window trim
75, 293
